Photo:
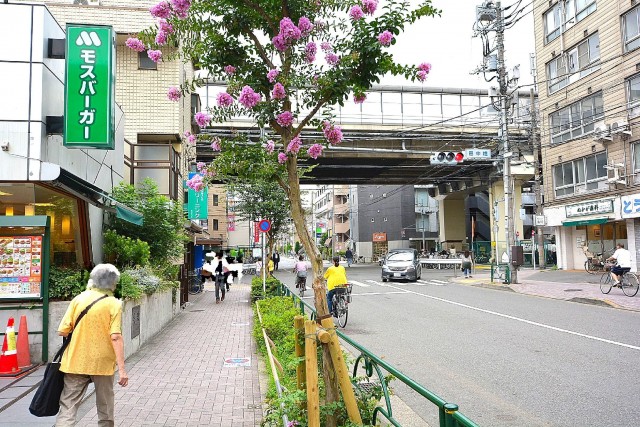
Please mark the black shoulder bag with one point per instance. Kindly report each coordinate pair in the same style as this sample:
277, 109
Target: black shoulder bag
46, 401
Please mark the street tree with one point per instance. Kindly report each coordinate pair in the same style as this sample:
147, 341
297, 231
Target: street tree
287, 63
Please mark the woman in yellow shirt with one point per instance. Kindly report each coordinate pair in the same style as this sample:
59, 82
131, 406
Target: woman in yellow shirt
336, 275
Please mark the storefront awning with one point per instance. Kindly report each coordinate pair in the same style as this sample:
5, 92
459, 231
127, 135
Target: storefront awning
96, 196
592, 221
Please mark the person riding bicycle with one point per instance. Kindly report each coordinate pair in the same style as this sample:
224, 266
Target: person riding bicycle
622, 258
300, 269
336, 275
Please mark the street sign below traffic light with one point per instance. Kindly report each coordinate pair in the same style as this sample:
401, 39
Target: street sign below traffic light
447, 158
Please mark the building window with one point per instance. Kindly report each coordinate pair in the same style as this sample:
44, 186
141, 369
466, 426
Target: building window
633, 96
581, 175
145, 63
579, 62
373, 220
636, 157
385, 219
631, 29
573, 11
215, 200
577, 119
215, 225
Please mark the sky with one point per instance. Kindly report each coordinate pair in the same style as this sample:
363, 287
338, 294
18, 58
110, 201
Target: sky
447, 43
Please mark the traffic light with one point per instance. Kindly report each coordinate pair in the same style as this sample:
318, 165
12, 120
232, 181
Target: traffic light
447, 158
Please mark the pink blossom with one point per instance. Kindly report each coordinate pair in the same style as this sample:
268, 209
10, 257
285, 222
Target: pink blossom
425, 66
215, 144
165, 26
135, 44
356, 13
332, 133
278, 91
154, 55
181, 7
280, 43
200, 166
272, 75
359, 98
191, 138
195, 183
210, 173
326, 47
332, 58
161, 10
174, 94
230, 69
310, 52
249, 98
270, 146
224, 99
294, 145
288, 29
305, 26
202, 119
282, 158
315, 151
285, 119
422, 75
385, 38
161, 38
369, 6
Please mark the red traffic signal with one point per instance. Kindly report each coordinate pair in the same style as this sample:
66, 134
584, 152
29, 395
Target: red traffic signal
447, 158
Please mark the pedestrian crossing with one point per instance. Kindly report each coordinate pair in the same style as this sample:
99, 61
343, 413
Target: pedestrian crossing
356, 283
432, 282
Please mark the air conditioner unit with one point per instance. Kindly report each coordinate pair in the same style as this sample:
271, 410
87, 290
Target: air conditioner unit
616, 178
93, 2
620, 126
602, 132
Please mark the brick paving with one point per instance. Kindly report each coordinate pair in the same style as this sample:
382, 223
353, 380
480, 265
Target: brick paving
179, 378
569, 285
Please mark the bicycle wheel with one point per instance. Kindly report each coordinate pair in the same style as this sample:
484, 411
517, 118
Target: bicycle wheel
343, 312
605, 283
630, 284
302, 288
589, 267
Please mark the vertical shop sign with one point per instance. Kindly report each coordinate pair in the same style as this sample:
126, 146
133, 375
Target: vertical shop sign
197, 207
89, 106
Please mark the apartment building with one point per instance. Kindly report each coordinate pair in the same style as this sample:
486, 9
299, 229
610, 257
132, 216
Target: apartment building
332, 213
588, 70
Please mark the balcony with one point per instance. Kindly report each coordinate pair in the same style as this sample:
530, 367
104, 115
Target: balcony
340, 228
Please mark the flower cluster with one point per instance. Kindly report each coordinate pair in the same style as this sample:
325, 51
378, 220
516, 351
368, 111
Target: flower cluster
294, 145
224, 99
174, 94
230, 70
278, 91
164, 29
191, 138
359, 98
249, 98
282, 158
356, 13
369, 6
195, 183
332, 133
135, 44
181, 7
270, 146
200, 166
315, 151
215, 144
202, 119
161, 10
285, 119
161, 38
326, 47
332, 58
310, 52
272, 75
305, 26
290, 33
154, 55
423, 71
385, 38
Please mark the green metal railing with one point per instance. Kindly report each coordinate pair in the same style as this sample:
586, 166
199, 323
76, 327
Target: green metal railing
449, 415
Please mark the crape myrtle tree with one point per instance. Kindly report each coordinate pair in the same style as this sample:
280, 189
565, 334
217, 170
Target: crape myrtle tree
287, 62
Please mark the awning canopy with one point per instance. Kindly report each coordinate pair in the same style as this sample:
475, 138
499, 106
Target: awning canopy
96, 196
592, 221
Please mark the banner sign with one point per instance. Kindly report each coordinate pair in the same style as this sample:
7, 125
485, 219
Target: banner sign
630, 206
89, 90
589, 208
198, 206
379, 237
231, 223
256, 232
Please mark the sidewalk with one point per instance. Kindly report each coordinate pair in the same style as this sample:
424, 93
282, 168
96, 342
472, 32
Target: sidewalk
179, 378
569, 285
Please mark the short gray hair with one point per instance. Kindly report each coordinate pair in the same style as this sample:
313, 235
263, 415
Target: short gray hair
104, 276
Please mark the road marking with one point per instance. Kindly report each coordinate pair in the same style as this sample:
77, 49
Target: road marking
379, 293
364, 285
519, 319
439, 281
432, 282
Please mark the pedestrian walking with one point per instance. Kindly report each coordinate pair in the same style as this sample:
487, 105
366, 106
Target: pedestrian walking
95, 349
220, 267
276, 260
349, 255
467, 262
270, 266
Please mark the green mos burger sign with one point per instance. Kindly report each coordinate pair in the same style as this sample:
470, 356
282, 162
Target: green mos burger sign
89, 87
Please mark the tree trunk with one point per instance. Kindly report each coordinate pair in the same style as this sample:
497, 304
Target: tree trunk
319, 287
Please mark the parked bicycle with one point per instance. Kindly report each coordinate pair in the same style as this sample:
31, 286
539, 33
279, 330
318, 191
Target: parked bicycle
195, 284
340, 303
628, 283
595, 262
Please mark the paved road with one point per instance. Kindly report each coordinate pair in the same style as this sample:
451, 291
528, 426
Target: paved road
506, 358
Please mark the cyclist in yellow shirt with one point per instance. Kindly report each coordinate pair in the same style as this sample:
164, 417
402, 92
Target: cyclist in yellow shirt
336, 275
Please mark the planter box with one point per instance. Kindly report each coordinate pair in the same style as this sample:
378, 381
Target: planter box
141, 320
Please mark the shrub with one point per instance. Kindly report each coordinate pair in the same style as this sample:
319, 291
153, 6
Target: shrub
66, 283
124, 251
127, 287
272, 286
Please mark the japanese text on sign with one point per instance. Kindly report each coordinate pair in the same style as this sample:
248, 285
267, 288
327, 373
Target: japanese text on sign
630, 206
20, 266
589, 208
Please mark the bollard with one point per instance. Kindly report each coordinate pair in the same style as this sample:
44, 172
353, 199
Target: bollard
311, 357
298, 322
449, 409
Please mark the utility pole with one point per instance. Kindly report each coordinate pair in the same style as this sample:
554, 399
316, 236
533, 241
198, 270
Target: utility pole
537, 178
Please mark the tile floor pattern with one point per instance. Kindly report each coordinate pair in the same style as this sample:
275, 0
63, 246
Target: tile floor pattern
178, 378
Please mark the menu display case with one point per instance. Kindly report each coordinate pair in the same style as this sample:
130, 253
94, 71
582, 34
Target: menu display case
21, 266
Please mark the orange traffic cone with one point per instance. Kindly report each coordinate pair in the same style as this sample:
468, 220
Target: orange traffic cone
24, 355
9, 356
